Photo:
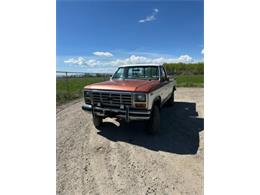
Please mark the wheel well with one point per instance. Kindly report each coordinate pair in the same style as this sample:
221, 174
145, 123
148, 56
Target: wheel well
157, 101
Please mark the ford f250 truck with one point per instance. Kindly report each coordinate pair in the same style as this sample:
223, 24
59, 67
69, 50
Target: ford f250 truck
134, 92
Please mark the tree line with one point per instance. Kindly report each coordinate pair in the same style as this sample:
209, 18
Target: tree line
185, 69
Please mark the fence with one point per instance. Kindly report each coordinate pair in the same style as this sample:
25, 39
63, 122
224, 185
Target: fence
69, 85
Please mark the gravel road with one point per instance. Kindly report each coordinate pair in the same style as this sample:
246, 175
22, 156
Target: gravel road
122, 159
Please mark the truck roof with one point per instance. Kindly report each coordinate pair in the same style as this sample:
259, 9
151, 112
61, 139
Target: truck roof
129, 65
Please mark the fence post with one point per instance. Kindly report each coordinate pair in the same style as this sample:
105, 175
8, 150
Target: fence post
67, 83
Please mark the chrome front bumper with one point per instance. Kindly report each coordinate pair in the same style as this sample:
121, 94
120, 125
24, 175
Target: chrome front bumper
127, 114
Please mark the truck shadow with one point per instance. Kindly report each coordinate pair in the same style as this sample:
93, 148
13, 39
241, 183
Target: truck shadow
179, 133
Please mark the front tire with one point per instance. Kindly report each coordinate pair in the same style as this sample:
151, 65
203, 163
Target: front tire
97, 120
153, 124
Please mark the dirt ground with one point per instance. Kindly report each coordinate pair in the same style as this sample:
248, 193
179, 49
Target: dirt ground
121, 158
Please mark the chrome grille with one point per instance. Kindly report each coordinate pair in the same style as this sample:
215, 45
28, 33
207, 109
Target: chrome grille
112, 98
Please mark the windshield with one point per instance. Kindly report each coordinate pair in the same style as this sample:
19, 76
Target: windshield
137, 72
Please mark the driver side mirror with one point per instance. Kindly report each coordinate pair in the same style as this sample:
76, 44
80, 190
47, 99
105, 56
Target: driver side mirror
163, 79
170, 77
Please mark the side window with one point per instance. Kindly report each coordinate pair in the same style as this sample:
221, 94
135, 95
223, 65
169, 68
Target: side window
163, 75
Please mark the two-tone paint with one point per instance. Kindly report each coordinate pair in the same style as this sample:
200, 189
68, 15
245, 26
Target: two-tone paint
158, 91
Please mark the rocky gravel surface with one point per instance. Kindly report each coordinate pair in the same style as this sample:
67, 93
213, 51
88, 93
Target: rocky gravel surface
121, 158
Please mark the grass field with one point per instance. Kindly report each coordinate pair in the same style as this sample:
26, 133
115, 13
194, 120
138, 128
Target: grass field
190, 80
71, 88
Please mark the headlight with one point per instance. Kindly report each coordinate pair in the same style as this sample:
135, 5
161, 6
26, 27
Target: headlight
140, 97
87, 97
86, 93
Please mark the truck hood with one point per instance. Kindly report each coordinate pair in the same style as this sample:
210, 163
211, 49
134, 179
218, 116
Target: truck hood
125, 85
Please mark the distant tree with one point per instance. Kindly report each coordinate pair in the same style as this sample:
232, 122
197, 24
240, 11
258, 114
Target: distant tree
185, 69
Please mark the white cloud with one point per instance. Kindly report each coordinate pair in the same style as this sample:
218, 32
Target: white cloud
151, 17
202, 51
103, 53
185, 59
133, 59
82, 61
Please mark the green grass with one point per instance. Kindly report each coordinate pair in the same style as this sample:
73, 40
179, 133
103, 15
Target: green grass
190, 80
72, 88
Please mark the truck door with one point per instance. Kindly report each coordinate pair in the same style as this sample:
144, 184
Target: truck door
164, 84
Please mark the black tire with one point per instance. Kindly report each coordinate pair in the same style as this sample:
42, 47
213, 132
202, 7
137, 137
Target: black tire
153, 124
97, 120
171, 100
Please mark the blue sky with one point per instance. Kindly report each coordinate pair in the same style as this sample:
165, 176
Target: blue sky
95, 36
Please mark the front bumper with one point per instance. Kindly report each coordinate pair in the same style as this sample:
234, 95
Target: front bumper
127, 114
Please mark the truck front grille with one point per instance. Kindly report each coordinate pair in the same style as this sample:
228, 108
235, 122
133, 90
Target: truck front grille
112, 98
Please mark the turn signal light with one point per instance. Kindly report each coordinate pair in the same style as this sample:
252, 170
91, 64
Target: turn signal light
140, 105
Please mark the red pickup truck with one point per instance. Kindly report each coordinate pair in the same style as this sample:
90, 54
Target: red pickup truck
134, 92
